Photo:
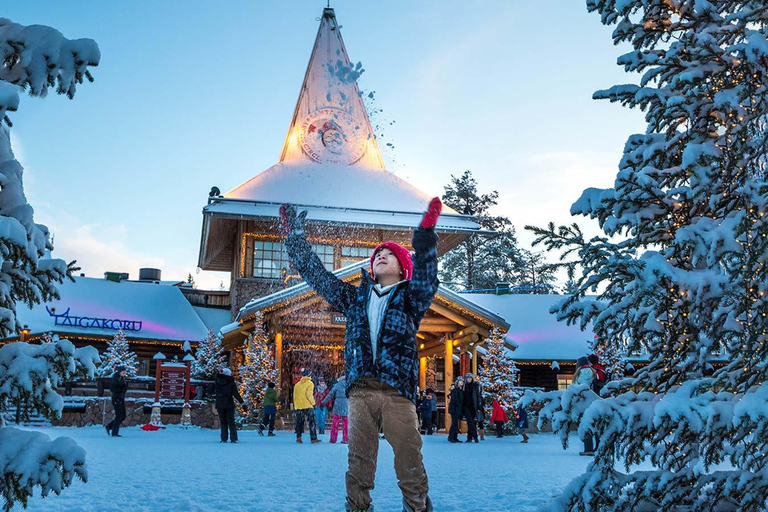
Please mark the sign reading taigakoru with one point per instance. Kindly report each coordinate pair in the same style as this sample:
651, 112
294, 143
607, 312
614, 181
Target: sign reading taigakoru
89, 322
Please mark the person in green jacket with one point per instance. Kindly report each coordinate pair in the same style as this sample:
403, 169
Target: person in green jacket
270, 410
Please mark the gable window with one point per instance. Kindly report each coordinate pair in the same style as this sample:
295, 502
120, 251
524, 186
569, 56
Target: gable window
271, 258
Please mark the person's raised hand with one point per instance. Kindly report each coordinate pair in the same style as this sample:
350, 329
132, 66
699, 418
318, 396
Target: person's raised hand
433, 212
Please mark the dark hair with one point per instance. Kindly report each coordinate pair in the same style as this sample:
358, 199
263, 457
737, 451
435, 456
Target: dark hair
582, 361
270, 384
593, 359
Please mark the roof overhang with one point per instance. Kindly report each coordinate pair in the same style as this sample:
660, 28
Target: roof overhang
221, 215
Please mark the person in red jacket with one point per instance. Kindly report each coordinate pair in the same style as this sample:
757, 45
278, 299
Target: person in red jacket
499, 418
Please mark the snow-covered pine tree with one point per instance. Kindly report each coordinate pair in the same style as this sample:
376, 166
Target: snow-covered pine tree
480, 261
29, 376
118, 353
208, 357
684, 273
498, 375
35, 59
259, 369
612, 355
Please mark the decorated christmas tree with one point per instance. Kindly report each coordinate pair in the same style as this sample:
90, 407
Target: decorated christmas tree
612, 355
208, 358
498, 375
259, 369
118, 353
681, 269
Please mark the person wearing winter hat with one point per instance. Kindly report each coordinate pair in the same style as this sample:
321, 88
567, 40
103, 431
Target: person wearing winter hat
303, 407
226, 394
269, 410
380, 351
456, 399
337, 401
499, 418
471, 403
117, 389
321, 411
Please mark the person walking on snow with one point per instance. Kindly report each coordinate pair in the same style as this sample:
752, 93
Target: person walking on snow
380, 351
455, 406
337, 399
303, 407
472, 402
117, 389
269, 411
499, 418
522, 422
321, 391
226, 393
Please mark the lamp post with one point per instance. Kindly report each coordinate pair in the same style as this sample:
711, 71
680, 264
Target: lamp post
156, 418
24, 333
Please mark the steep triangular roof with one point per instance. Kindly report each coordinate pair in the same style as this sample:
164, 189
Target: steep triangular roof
330, 156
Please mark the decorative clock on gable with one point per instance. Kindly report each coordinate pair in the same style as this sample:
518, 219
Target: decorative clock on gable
331, 135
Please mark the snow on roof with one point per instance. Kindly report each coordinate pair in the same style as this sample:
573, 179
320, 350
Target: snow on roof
340, 186
213, 318
536, 332
164, 312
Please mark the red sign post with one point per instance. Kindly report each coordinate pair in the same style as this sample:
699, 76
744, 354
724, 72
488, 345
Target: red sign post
172, 381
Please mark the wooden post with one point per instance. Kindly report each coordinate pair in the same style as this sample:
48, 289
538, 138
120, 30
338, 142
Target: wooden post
279, 357
474, 359
448, 376
422, 373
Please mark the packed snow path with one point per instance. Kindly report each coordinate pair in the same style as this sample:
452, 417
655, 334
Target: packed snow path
189, 470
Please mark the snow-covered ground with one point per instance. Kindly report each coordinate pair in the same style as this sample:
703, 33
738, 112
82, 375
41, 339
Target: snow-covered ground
189, 470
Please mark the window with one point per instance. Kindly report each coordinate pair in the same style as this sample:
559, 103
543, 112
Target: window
325, 253
354, 254
270, 258
564, 380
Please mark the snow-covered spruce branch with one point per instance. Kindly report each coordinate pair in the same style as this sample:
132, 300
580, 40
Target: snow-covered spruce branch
30, 459
29, 376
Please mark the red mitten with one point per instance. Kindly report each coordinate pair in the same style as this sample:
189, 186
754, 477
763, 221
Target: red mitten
433, 212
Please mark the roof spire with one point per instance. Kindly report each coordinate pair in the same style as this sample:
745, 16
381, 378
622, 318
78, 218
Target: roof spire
330, 124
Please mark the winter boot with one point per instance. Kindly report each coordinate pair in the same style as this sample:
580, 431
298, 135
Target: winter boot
261, 430
369, 509
315, 441
407, 508
298, 440
482, 434
271, 434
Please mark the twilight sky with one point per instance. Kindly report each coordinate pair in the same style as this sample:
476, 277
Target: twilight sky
197, 93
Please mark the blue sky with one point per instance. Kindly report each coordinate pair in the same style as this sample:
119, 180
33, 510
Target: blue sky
194, 94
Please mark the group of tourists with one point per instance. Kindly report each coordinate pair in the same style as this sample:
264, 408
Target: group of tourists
311, 405
466, 403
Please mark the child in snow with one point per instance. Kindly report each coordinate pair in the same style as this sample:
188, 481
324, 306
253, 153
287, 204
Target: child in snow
303, 407
522, 422
321, 391
337, 401
381, 354
499, 418
269, 410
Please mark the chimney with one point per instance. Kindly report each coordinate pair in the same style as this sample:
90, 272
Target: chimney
149, 275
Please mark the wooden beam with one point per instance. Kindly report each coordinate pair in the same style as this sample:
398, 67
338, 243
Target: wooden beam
448, 375
437, 322
444, 311
466, 340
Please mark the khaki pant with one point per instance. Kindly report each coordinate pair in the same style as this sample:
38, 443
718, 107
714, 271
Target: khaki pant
374, 405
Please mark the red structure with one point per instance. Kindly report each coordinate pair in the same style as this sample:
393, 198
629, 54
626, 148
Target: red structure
172, 380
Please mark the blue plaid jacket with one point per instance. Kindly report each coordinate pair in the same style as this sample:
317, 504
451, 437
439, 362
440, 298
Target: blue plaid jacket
397, 360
